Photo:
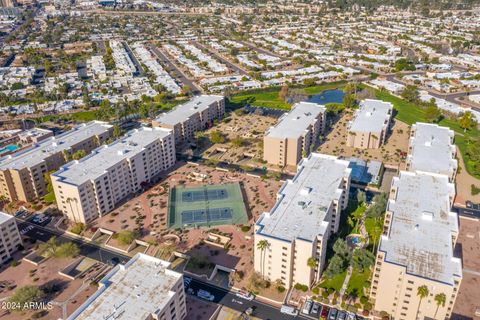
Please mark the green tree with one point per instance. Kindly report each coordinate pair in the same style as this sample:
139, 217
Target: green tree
422, 292
466, 122
362, 259
312, 263
67, 250
349, 101
217, 137
262, 245
432, 113
24, 295
410, 93
237, 142
440, 300
117, 132
79, 154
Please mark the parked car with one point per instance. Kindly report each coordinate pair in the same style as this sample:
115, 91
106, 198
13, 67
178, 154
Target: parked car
324, 313
307, 307
342, 315
289, 310
245, 295
205, 295
332, 315
316, 308
351, 316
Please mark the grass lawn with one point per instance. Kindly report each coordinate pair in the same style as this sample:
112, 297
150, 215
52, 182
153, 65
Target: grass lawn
410, 113
335, 282
269, 98
49, 198
357, 282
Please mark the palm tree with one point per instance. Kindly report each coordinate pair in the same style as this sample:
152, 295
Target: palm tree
312, 263
440, 299
422, 292
262, 245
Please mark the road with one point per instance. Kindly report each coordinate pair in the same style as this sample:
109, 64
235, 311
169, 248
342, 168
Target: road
261, 50
222, 296
171, 66
134, 59
229, 64
229, 299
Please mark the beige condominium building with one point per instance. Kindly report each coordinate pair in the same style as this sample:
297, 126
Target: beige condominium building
94, 185
416, 249
431, 149
195, 115
294, 135
370, 124
22, 173
298, 227
10, 238
142, 289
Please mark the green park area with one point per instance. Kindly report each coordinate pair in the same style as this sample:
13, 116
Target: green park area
468, 141
272, 97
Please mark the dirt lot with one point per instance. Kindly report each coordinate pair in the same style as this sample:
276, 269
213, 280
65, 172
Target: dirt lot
46, 276
335, 143
250, 128
468, 247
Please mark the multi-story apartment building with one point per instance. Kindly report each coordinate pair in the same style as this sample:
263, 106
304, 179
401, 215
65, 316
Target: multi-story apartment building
370, 124
195, 115
34, 135
298, 227
94, 185
22, 174
416, 249
10, 238
294, 135
431, 149
144, 289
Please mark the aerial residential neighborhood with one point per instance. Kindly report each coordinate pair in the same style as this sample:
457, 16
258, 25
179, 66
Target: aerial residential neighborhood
219, 160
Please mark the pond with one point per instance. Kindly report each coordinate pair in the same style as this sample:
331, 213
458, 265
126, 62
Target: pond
328, 96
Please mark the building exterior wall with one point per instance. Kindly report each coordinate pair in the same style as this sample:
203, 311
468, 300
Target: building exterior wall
28, 183
395, 292
288, 151
184, 130
95, 198
10, 238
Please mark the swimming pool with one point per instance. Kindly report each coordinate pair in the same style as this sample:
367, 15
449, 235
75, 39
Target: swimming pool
8, 149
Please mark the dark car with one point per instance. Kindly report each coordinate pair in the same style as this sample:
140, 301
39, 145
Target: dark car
115, 261
342, 315
332, 315
324, 313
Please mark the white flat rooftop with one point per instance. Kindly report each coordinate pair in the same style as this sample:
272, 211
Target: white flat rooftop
38, 152
303, 202
94, 165
432, 149
131, 291
421, 229
184, 111
294, 123
371, 116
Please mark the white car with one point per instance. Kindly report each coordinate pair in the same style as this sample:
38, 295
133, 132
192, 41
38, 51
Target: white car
289, 310
245, 295
307, 307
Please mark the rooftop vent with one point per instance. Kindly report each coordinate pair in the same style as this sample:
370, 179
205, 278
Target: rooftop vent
427, 215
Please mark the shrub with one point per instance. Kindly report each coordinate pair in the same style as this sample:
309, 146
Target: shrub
316, 290
281, 289
363, 299
245, 228
367, 306
14, 263
474, 190
301, 287
78, 228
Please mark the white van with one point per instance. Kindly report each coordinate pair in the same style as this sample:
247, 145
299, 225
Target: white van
289, 310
